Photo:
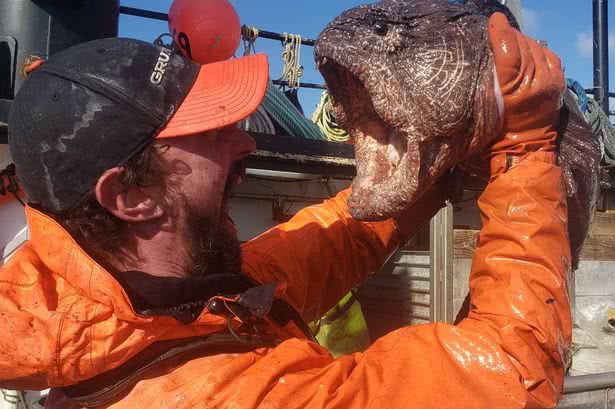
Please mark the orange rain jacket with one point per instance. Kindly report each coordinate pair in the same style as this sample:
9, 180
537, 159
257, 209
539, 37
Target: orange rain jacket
65, 319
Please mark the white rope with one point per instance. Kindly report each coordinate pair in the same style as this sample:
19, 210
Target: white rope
249, 35
291, 56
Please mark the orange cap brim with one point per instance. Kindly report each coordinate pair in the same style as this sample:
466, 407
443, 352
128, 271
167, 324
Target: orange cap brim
223, 94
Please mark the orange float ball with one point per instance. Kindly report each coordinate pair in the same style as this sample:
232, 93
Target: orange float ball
205, 31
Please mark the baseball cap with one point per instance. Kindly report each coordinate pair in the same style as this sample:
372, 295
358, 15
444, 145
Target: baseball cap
93, 106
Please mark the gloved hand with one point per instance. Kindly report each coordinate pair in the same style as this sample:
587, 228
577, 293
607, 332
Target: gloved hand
532, 84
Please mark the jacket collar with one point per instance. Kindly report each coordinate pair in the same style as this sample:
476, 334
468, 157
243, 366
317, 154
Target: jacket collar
135, 295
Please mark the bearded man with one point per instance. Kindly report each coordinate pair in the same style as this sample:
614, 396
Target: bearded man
132, 293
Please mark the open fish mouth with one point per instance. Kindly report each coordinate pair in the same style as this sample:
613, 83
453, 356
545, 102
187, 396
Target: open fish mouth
387, 159
412, 83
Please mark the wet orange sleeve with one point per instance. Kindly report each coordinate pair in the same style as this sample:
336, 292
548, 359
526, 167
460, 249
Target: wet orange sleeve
319, 255
508, 353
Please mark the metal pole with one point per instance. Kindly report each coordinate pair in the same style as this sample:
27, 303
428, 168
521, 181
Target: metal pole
276, 36
301, 84
132, 11
585, 383
593, 91
601, 53
515, 8
441, 271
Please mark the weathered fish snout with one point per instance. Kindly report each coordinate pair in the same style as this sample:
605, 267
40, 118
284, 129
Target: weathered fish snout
413, 85
388, 173
386, 176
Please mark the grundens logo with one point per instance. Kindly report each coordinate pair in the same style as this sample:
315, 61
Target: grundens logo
161, 66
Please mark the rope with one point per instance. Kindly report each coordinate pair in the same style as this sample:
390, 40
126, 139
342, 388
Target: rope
276, 107
291, 56
603, 131
324, 118
259, 122
579, 91
287, 116
249, 34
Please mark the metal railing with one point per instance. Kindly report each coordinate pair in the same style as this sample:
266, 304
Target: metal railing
271, 35
601, 53
600, 90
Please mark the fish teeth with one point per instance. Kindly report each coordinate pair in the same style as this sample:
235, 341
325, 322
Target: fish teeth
393, 156
394, 151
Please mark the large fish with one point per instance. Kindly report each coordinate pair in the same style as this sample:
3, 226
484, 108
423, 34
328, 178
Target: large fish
414, 84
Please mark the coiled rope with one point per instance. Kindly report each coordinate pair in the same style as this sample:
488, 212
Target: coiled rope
291, 56
287, 116
276, 107
259, 122
324, 118
603, 131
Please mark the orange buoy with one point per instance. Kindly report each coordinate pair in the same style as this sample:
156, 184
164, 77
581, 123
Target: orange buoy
205, 31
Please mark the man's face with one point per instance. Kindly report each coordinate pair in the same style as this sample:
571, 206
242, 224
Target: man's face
203, 171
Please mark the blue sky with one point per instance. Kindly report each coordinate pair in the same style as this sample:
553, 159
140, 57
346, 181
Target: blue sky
565, 24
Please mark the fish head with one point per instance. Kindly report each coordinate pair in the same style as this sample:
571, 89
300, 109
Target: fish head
414, 84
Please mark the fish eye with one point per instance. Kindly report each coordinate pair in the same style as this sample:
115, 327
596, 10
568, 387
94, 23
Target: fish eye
381, 28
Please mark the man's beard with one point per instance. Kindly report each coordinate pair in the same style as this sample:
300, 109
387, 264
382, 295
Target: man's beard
213, 244
213, 248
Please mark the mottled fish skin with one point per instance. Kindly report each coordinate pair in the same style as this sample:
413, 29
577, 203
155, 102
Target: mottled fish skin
414, 84
426, 68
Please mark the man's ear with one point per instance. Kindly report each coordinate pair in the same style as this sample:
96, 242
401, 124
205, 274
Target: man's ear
128, 203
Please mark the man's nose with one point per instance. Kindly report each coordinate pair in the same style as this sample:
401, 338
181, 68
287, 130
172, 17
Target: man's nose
242, 144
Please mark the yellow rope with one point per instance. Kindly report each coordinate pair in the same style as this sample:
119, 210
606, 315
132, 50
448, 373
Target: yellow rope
291, 56
249, 34
323, 117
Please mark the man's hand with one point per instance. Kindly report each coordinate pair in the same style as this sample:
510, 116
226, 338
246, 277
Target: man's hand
532, 84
